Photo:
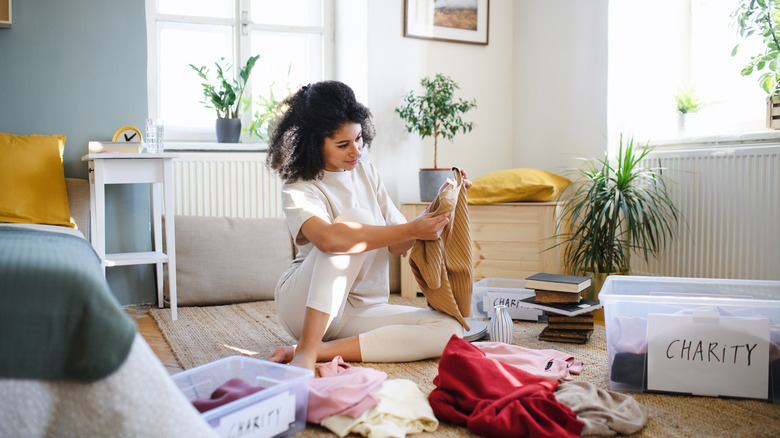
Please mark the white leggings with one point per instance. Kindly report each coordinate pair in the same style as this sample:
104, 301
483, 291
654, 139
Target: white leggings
386, 332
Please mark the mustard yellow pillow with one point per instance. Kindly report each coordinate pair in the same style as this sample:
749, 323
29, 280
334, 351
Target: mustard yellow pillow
32, 180
513, 185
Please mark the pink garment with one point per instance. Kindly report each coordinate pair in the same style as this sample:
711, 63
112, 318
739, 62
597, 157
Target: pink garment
550, 364
342, 389
231, 390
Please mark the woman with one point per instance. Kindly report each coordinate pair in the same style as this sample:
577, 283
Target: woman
333, 298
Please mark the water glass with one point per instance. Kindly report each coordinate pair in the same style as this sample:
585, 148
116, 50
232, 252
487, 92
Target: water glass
153, 141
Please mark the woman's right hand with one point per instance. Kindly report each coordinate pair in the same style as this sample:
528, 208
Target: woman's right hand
429, 227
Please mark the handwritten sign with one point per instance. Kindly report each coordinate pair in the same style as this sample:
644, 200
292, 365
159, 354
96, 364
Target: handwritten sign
267, 418
705, 354
512, 300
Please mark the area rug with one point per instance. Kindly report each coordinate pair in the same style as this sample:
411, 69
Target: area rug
205, 334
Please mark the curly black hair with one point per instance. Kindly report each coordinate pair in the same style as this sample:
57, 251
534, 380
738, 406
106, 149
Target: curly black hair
314, 113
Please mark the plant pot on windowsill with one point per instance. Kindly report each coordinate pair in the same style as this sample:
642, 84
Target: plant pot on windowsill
228, 130
431, 181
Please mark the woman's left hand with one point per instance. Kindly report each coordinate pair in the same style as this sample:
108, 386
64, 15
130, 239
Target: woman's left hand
466, 182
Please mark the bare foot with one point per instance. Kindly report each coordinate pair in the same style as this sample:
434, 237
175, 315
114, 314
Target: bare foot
283, 354
304, 361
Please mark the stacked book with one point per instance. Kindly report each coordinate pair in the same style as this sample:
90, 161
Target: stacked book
569, 316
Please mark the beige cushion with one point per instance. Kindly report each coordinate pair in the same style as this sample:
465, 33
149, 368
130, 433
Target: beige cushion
78, 201
223, 260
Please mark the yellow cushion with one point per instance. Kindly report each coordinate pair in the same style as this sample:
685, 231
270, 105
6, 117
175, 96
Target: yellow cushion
32, 180
513, 185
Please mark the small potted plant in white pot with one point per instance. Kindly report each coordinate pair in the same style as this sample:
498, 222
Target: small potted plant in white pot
225, 96
687, 102
436, 113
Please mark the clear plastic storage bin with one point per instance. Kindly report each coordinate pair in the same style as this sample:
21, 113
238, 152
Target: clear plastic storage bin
277, 410
715, 312
506, 291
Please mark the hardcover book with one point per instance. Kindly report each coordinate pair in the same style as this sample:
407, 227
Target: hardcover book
569, 309
557, 282
104, 146
549, 296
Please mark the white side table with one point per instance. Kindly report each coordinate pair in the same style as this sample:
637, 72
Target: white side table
132, 168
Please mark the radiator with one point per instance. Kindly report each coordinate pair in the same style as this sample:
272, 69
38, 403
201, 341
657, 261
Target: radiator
729, 200
232, 184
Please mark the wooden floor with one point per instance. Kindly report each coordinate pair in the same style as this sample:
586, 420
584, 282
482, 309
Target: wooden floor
151, 332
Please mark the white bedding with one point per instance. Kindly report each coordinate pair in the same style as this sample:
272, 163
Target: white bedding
138, 400
44, 227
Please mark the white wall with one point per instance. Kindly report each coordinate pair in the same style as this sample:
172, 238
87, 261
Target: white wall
560, 56
540, 86
395, 66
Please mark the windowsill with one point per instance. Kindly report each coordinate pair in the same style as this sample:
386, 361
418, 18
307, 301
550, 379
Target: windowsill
750, 138
194, 146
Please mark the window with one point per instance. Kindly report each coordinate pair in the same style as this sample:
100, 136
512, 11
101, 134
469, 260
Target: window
291, 37
656, 47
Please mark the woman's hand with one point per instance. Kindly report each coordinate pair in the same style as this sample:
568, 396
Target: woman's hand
466, 182
429, 227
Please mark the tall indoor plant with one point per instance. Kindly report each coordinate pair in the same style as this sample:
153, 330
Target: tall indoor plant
435, 113
612, 209
224, 96
761, 19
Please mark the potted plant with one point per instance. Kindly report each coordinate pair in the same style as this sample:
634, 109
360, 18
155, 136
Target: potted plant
268, 110
759, 18
436, 113
224, 96
613, 209
687, 102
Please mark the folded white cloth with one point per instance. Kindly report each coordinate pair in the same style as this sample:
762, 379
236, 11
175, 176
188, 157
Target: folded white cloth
402, 409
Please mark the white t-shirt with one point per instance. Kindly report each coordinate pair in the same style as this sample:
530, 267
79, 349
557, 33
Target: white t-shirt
328, 197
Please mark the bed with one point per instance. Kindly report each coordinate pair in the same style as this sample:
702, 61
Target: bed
72, 362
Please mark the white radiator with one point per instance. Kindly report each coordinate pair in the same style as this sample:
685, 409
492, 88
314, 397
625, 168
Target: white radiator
729, 199
232, 184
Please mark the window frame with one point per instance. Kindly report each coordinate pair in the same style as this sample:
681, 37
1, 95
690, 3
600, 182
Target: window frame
241, 34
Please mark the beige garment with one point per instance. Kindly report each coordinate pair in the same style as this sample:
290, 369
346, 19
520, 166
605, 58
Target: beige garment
443, 267
605, 413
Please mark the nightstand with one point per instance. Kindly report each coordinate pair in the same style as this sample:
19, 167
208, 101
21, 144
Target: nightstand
136, 168
508, 240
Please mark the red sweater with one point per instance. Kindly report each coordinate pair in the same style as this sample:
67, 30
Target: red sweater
494, 399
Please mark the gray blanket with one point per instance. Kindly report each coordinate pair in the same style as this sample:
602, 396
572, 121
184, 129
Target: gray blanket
58, 318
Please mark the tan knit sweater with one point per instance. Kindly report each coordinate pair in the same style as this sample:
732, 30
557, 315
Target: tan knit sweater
443, 267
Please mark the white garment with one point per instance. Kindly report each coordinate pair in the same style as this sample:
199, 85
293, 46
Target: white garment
355, 287
328, 198
402, 409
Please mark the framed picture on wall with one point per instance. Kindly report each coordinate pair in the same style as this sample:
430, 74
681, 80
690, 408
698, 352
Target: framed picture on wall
463, 21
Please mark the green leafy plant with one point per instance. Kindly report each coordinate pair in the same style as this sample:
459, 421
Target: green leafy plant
687, 101
760, 18
268, 109
436, 113
224, 96
612, 209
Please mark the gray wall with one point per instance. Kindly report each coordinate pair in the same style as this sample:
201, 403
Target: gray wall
78, 67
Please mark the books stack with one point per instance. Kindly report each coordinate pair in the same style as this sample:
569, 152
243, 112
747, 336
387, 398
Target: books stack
96, 147
569, 316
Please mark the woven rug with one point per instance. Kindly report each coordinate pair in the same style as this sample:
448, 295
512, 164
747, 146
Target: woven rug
205, 334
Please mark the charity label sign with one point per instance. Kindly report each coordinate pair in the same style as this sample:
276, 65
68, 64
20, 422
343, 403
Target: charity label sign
267, 418
707, 354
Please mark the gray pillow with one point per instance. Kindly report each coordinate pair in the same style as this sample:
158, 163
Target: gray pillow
221, 260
